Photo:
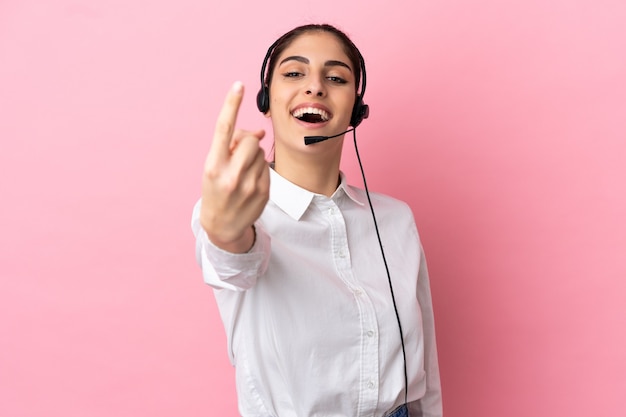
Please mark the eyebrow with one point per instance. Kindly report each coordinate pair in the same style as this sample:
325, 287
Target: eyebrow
329, 63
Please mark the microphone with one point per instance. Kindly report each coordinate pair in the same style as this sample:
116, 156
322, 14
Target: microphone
309, 140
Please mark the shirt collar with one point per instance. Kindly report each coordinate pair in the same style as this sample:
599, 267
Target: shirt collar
294, 200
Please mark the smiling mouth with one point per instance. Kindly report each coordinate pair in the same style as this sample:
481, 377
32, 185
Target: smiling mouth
311, 115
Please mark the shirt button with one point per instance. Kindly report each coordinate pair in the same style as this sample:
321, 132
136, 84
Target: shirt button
370, 333
358, 292
371, 384
342, 253
331, 211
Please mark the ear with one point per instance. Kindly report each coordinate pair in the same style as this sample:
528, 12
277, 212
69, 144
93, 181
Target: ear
268, 114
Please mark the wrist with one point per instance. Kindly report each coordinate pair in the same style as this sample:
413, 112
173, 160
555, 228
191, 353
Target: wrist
241, 244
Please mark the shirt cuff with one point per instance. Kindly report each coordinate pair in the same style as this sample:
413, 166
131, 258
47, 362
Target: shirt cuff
235, 271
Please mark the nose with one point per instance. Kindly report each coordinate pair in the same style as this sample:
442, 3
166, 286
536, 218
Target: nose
315, 86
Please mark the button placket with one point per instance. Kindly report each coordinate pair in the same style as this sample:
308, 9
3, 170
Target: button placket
368, 359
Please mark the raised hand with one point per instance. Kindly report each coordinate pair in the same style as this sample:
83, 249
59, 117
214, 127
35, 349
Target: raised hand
235, 182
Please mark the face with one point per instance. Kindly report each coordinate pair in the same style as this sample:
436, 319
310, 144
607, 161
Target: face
312, 92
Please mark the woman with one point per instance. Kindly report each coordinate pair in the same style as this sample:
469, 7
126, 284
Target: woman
299, 279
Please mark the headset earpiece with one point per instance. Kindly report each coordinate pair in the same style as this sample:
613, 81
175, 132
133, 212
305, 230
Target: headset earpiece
263, 99
360, 111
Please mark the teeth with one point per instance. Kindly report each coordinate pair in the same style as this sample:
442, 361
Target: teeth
298, 113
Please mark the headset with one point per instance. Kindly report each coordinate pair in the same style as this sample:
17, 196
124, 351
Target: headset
360, 110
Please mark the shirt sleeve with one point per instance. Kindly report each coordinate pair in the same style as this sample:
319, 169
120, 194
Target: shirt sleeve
430, 405
226, 270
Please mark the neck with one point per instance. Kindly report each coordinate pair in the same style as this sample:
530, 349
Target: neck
319, 174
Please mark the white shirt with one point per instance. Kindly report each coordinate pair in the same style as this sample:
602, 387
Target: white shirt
308, 313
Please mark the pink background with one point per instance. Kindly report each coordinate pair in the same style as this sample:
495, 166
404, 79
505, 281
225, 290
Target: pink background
502, 123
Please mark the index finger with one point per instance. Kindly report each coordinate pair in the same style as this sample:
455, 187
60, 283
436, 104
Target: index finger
226, 120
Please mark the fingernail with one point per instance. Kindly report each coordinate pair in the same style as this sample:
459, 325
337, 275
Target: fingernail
238, 87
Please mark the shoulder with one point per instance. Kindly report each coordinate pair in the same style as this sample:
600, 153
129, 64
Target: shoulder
382, 201
388, 210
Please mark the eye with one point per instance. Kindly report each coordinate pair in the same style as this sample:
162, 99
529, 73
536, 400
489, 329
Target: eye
336, 79
292, 74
